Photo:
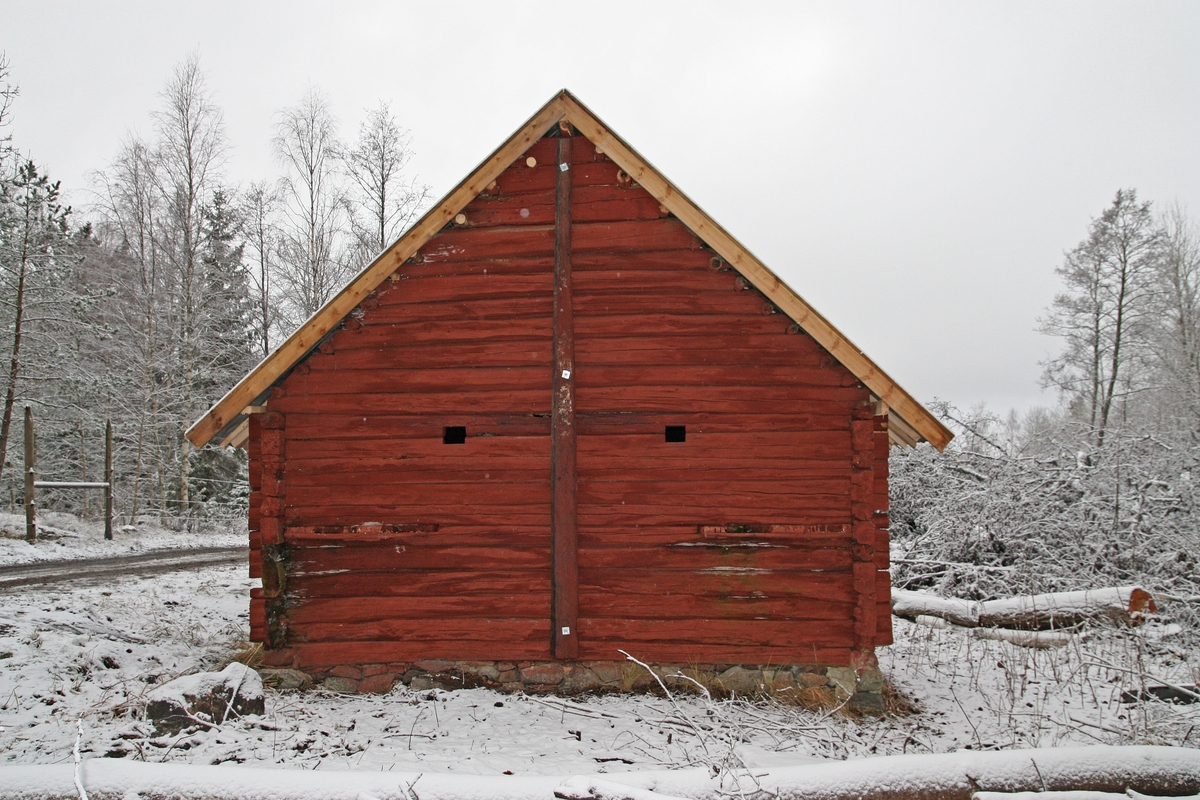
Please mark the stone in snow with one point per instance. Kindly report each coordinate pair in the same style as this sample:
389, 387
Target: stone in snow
206, 698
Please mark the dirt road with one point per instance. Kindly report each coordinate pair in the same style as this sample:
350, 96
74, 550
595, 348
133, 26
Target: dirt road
87, 569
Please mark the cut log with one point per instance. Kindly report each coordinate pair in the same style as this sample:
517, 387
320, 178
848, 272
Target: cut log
1039, 640
1039, 612
1078, 794
588, 787
911, 605
1122, 604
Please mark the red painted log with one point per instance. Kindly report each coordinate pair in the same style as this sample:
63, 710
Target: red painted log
417, 586
495, 631
718, 632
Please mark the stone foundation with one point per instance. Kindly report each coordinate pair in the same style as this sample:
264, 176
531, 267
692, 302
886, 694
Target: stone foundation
860, 685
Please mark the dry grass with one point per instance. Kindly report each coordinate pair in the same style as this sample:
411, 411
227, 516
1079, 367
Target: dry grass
248, 653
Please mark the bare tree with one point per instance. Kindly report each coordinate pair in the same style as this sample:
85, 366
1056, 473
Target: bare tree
312, 266
1104, 314
1177, 335
384, 202
191, 150
8, 93
127, 209
262, 239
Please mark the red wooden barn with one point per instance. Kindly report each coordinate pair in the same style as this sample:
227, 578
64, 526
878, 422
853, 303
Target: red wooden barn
565, 415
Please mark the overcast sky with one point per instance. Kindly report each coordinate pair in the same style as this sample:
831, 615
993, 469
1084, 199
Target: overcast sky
914, 170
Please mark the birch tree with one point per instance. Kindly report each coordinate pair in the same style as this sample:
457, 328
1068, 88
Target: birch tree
259, 206
1176, 338
384, 201
1103, 317
191, 150
312, 258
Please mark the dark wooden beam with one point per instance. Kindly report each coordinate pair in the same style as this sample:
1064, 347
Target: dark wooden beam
563, 549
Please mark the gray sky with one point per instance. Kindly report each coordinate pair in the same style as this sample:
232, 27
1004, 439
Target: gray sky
914, 170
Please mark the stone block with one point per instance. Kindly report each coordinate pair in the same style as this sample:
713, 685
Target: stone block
375, 669
542, 675
508, 676
807, 680
741, 681
866, 703
285, 679
870, 679
578, 679
844, 679
344, 671
487, 671
433, 666
339, 684
206, 696
608, 672
380, 683
780, 681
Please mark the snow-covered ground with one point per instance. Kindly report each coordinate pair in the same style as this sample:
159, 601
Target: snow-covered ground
65, 536
90, 652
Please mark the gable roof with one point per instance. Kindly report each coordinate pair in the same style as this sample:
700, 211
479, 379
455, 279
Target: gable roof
909, 421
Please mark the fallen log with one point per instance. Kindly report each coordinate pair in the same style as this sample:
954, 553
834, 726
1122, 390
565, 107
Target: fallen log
1168, 693
1040, 640
1159, 771
911, 605
1125, 605
1078, 794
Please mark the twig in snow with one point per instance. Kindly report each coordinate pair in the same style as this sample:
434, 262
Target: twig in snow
707, 693
237, 687
670, 697
78, 776
1039, 774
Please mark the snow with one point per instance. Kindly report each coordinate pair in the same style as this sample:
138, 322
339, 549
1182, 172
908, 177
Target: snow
943, 775
240, 679
93, 653
65, 536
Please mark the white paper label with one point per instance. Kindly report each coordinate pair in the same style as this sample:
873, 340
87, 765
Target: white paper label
566, 631
566, 373
564, 167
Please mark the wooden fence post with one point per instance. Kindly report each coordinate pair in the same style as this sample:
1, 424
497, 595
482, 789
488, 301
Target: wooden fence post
30, 457
108, 475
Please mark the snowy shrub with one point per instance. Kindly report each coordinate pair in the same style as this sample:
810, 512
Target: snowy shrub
1013, 509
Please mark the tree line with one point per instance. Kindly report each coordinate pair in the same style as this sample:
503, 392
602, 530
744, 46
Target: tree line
150, 302
1103, 488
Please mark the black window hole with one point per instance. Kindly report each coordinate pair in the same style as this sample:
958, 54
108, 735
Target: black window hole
676, 433
455, 434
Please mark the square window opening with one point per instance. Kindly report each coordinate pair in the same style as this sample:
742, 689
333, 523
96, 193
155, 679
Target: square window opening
676, 433
455, 434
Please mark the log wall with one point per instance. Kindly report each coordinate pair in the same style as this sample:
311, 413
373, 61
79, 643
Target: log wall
758, 539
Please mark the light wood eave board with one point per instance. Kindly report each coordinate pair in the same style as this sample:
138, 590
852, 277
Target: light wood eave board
841, 348
333, 312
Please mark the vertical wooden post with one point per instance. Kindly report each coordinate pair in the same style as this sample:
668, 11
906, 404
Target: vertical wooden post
30, 466
563, 553
108, 490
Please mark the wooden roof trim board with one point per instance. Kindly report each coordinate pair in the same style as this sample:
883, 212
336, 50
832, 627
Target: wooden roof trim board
915, 421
